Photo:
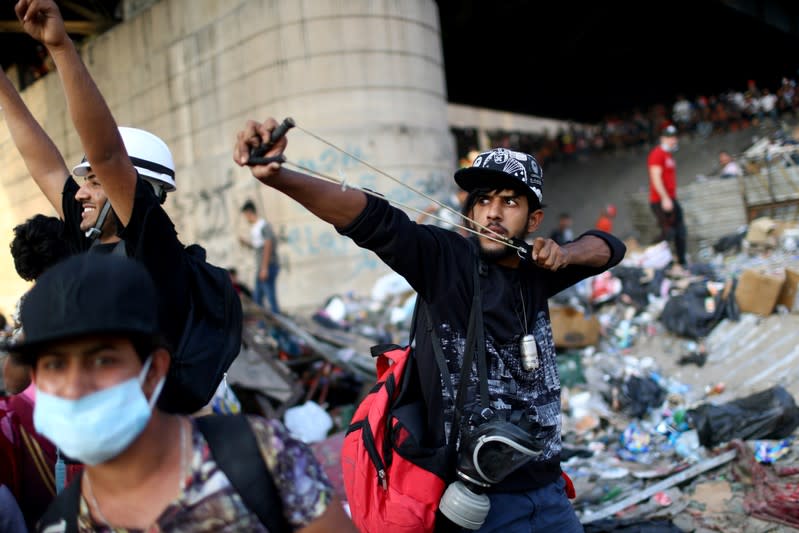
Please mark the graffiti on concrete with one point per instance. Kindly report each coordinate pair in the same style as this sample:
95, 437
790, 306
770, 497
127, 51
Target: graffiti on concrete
207, 209
210, 213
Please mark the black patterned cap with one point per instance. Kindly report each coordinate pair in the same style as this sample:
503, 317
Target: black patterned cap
502, 168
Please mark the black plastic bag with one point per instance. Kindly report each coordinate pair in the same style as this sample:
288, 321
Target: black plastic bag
637, 284
732, 242
635, 396
769, 414
685, 315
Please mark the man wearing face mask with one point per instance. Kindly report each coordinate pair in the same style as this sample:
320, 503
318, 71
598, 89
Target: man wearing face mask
663, 193
98, 375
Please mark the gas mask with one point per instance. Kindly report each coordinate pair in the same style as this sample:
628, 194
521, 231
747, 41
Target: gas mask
487, 455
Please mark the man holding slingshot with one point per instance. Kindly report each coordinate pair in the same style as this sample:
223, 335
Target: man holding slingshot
515, 281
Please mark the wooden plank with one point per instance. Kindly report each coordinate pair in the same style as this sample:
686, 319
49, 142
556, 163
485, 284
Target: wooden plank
703, 466
361, 364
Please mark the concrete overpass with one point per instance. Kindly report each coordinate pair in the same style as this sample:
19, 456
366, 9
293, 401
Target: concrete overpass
563, 60
375, 76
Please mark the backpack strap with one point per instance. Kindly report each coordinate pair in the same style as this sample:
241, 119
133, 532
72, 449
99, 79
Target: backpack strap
62, 514
441, 360
120, 248
479, 333
230, 438
475, 342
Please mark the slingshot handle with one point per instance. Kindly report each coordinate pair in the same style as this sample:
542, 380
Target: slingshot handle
277, 134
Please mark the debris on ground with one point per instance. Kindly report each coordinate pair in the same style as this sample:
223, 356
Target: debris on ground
677, 385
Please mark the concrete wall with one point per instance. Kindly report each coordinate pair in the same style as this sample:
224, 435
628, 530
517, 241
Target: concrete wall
366, 75
486, 120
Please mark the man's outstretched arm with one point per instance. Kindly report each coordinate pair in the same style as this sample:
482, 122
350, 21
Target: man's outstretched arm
588, 250
324, 199
42, 158
90, 114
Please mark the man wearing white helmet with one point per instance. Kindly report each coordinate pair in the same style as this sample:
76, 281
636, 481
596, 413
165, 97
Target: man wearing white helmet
97, 222
117, 207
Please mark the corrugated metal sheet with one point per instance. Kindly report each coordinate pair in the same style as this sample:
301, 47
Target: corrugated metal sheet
747, 356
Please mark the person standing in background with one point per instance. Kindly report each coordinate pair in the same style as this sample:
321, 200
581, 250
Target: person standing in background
563, 233
729, 166
663, 193
606, 217
264, 242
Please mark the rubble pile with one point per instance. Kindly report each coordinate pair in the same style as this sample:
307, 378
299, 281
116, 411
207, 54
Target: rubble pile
678, 386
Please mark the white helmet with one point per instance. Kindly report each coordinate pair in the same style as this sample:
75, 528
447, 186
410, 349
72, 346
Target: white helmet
148, 153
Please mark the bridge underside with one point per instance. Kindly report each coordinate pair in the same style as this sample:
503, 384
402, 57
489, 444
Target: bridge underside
579, 61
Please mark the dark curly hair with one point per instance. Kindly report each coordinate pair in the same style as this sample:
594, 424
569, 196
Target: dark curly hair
38, 244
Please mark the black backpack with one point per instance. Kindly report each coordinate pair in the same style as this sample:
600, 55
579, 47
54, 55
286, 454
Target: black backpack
235, 451
211, 338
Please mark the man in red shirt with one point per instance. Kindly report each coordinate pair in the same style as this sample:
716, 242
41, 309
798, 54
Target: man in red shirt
663, 192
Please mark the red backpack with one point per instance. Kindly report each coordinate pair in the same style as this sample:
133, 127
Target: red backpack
393, 483
394, 476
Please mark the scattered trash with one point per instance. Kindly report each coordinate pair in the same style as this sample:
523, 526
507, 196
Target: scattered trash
224, 401
695, 470
769, 451
712, 390
661, 498
771, 494
308, 422
686, 445
641, 434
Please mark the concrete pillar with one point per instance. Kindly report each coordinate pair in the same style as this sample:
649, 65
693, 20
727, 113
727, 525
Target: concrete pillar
367, 75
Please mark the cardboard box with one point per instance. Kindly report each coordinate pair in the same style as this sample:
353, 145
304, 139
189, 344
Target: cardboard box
762, 232
758, 290
790, 291
571, 328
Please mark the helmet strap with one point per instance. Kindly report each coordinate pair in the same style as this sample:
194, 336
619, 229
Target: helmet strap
94, 232
160, 191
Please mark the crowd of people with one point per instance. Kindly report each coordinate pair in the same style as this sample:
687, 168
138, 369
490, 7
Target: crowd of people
643, 131
99, 439
640, 128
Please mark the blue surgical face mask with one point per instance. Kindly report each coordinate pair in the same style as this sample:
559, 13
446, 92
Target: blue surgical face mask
99, 426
